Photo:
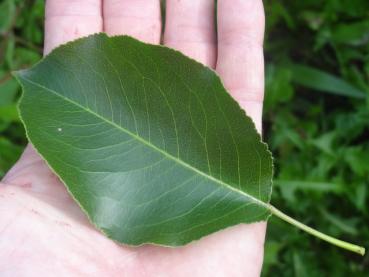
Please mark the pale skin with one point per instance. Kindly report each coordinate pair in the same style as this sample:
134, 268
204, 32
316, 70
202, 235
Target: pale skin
44, 233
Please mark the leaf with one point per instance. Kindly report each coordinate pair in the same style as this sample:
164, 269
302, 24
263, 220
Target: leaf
278, 88
355, 34
289, 187
147, 141
325, 143
358, 159
319, 80
345, 225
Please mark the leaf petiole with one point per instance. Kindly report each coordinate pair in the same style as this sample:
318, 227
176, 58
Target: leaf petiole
340, 243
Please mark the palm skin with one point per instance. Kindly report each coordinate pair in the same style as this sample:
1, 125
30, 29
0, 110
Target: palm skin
43, 232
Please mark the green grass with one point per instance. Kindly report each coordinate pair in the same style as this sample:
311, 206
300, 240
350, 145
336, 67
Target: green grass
316, 121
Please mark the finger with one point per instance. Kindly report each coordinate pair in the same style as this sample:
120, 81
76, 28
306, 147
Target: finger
189, 28
138, 18
240, 60
68, 20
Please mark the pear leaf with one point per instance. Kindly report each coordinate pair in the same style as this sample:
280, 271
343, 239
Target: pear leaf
148, 142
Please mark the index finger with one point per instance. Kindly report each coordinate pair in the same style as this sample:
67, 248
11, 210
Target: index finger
67, 20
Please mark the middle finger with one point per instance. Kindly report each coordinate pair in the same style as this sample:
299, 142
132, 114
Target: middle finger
138, 18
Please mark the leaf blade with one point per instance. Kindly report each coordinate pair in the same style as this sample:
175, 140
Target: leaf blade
122, 154
323, 81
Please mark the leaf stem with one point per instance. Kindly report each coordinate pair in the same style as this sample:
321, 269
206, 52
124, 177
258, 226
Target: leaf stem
340, 243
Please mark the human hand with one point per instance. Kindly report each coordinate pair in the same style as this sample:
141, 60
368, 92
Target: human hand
44, 232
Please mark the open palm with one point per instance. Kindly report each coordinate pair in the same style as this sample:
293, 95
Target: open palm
43, 232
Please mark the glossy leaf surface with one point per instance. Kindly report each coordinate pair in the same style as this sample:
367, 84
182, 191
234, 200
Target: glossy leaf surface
147, 140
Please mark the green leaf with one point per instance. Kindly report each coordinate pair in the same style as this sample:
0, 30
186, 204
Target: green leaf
325, 143
358, 159
278, 87
355, 34
319, 80
289, 187
147, 141
345, 225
